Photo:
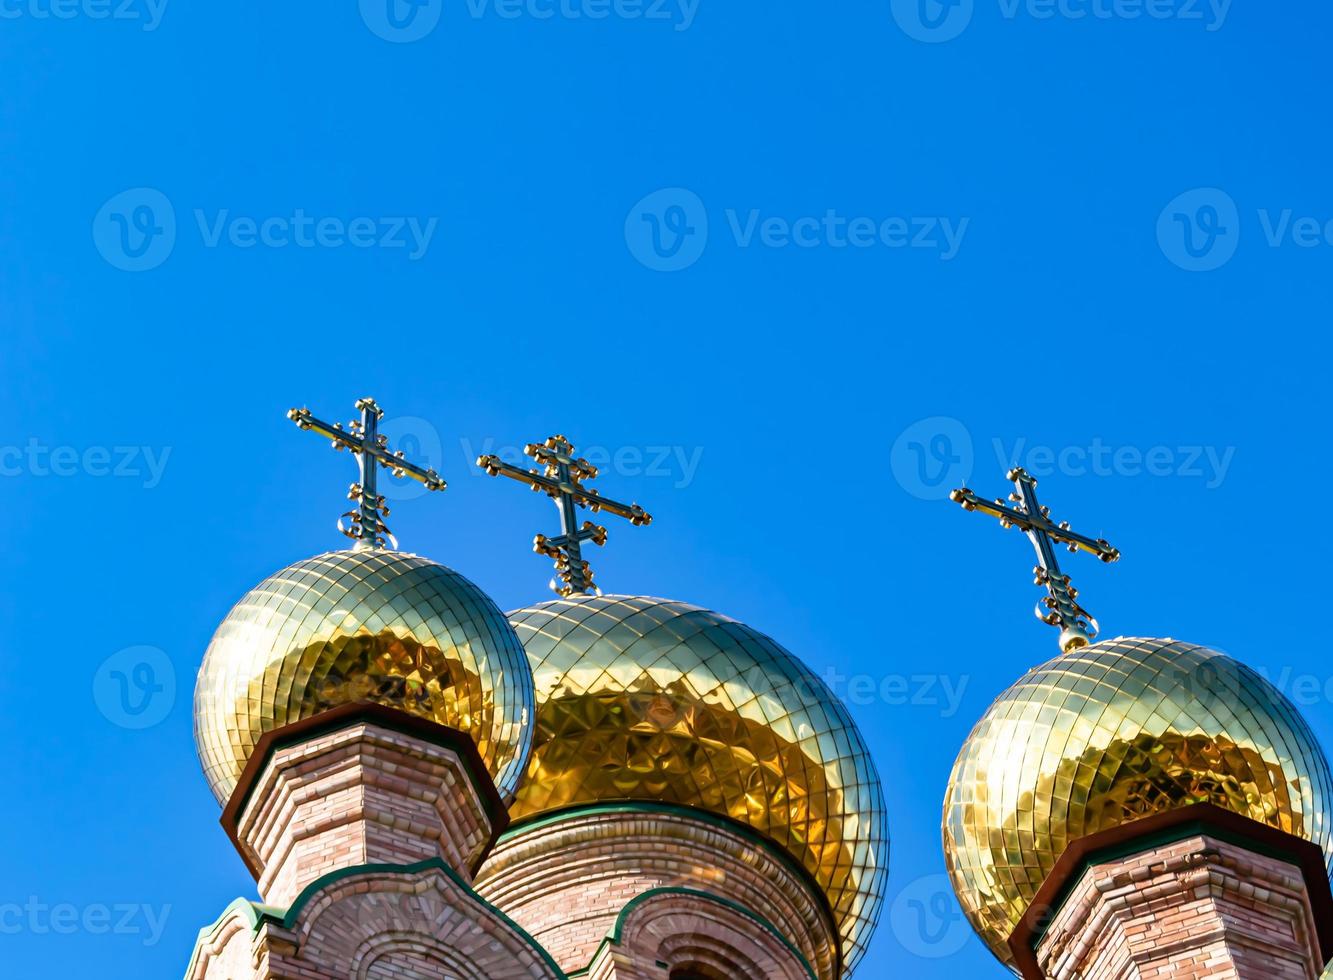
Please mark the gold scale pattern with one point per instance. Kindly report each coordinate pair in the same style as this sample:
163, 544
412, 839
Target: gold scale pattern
363, 625
647, 699
1109, 733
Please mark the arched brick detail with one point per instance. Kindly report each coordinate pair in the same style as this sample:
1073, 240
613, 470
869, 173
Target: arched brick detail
395, 955
684, 928
346, 926
227, 949
567, 879
416, 922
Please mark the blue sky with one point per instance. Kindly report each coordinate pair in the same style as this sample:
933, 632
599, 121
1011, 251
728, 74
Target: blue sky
792, 269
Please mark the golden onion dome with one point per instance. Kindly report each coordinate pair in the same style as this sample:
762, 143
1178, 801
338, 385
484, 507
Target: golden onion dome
1109, 733
363, 625
642, 699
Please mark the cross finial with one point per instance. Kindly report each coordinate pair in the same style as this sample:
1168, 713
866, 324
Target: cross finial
1060, 607
562, 481
365, 522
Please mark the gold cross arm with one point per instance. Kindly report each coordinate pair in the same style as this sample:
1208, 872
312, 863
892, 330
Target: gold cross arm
1010, 517
379, 450
554, 488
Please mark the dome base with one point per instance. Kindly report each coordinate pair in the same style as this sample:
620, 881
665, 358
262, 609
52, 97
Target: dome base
358, 785
569, 879
1168, 894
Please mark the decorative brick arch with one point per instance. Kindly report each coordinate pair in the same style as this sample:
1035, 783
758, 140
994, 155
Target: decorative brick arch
374, 922
390, 956
686, 929
355, 923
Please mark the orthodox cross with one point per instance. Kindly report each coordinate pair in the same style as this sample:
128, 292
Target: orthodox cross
562, 481
365, 522
1060, 607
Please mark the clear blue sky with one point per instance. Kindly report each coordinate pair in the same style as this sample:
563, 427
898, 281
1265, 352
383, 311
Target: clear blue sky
1171, 384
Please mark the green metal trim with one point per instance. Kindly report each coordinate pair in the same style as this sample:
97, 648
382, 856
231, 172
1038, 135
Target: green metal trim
617, 930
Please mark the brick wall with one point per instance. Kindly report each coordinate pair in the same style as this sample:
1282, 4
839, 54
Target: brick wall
1198, 909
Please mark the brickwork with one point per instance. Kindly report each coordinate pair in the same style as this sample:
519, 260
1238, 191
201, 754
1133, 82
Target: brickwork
671, 931
567, 881
396, 925
363, 794
1198, 909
